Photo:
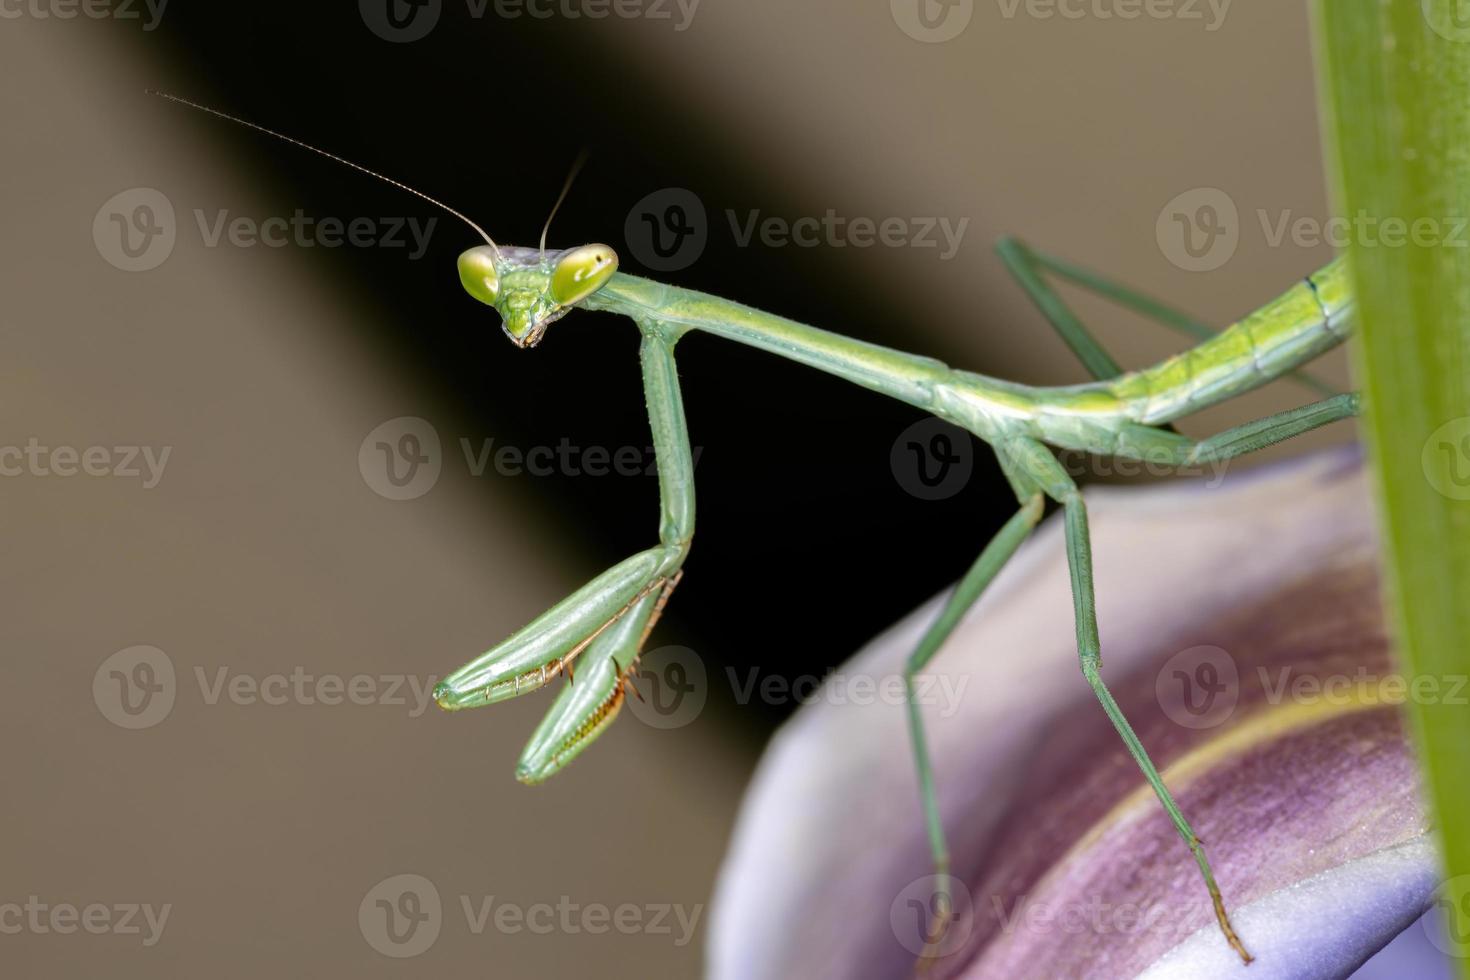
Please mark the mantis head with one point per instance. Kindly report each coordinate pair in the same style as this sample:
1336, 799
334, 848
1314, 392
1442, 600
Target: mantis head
527, 286
532, 289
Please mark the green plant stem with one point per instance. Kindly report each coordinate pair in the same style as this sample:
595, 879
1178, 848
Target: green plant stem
1395, 98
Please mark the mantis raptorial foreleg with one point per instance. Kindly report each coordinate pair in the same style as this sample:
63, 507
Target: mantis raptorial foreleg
604, 624
586, 707
1027, 266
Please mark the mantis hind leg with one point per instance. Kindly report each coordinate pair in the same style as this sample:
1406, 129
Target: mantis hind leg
990, 562
1043, 468
1029, 268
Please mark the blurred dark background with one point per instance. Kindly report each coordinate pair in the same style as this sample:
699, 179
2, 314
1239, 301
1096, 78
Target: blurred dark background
265, 549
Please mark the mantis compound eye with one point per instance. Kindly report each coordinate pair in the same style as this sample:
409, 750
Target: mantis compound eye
582, 272
478, 275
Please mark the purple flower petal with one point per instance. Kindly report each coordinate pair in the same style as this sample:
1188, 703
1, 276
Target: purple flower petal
1242, 635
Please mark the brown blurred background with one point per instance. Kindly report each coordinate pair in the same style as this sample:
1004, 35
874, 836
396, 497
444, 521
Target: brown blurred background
263, 547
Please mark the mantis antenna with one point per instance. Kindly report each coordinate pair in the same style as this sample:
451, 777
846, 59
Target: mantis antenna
345, 162
566, 186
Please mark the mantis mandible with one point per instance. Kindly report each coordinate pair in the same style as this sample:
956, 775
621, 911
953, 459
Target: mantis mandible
601, 628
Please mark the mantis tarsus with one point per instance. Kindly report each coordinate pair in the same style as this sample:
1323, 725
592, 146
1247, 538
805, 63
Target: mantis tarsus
602, 626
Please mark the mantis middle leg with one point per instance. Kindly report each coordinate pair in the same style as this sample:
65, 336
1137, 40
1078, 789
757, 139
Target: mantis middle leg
980, 575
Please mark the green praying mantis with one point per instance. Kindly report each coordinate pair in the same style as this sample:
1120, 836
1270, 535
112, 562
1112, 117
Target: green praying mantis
601, 628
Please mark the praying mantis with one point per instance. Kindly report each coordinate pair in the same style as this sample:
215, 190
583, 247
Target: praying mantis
595, 636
